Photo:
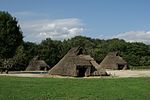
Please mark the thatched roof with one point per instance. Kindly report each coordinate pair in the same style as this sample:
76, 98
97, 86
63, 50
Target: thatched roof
112, 61
76, 57
37, 65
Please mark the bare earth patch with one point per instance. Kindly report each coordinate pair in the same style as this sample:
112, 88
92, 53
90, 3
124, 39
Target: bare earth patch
113, 73
129, 73
24, 75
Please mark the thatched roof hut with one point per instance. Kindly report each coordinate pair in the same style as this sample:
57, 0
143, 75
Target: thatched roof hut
76, 63
113, 61
37, 65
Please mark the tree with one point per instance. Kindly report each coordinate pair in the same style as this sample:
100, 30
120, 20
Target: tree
21, 59
50, 51
116, 45
24, 54
7, 64
10, 35
136, 54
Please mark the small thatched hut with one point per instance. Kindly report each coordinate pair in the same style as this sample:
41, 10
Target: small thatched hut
114, 61
76, 63
37, 65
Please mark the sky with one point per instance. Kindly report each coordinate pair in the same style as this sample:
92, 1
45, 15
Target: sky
63, 19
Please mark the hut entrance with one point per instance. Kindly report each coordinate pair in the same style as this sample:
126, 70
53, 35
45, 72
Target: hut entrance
42, 68
120, 66
81, 70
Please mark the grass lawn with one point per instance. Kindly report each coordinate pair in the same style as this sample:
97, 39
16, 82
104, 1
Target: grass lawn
17, 88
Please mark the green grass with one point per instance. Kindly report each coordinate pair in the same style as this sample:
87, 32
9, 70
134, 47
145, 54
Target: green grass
15, 88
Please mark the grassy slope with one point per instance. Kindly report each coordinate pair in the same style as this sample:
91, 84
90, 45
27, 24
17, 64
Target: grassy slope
14, 88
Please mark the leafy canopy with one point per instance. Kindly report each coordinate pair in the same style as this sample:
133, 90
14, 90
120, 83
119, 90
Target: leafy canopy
10, 35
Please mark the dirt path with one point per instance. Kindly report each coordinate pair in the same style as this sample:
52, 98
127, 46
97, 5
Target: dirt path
114, 73
129, 73
25, 75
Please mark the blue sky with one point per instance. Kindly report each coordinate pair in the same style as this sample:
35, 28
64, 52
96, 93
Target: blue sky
63, 19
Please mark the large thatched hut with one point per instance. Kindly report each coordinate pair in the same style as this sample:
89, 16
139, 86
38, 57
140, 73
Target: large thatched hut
113, 61
77, 63
37, 65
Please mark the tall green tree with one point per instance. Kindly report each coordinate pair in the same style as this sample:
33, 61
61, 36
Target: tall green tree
24, 54
50, 51
10, 35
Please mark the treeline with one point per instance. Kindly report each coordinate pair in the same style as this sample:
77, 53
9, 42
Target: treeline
17, 53
136, 54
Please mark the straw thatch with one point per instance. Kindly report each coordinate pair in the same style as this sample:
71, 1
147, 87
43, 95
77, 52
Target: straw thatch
75, 63
113, 61
37, 65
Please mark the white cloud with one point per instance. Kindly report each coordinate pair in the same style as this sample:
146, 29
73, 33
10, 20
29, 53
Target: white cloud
135, 36
59, 29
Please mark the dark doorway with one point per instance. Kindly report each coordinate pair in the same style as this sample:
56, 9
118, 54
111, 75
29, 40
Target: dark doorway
42, 68
80, 51
81, 71
120, 66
